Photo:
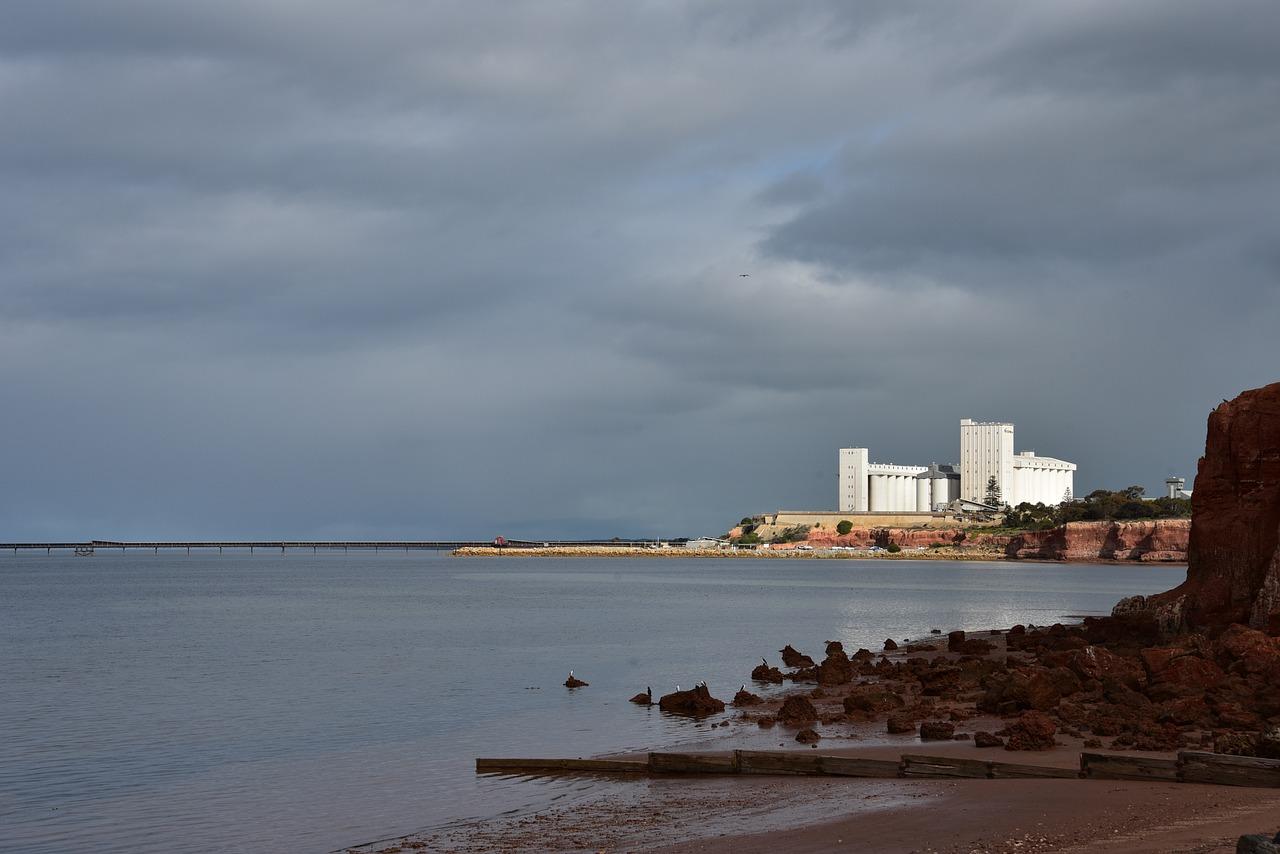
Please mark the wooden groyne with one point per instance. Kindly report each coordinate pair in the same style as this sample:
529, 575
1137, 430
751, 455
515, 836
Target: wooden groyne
1188, 767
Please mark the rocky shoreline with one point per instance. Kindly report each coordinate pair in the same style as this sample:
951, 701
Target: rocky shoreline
1197, 666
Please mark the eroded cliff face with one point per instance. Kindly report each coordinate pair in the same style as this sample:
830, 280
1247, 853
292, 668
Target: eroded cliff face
1233, 573
1153, 540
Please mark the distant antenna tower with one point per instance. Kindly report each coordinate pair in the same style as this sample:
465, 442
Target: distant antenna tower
1175, 486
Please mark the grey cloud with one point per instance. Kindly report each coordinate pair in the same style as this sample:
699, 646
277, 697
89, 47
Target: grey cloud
439, 268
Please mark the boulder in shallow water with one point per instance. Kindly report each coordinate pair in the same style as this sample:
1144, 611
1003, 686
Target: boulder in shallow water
808, 736
746, 698
575, 682
765, 673
643, 699
696, 702
793, 657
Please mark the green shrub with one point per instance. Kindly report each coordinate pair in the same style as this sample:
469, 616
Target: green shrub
893, 548
844, 527
794, 534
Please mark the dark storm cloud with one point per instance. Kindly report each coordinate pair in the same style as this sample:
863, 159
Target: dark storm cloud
450, 269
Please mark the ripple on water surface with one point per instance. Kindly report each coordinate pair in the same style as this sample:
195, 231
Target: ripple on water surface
299, 702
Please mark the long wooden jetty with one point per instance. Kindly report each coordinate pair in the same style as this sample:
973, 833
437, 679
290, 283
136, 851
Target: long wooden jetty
1188, 767
89, 547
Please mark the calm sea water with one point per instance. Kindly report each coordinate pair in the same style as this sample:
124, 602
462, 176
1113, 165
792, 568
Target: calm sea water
304, 703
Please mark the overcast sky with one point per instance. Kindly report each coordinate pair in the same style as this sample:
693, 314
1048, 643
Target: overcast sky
428, 269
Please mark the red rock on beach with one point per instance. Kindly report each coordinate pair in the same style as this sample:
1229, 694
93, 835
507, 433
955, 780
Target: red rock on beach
797, 710
937, 731
986, 739
899, 724
695, 702
1032, 731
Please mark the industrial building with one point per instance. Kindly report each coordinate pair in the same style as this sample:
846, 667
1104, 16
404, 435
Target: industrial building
986, 452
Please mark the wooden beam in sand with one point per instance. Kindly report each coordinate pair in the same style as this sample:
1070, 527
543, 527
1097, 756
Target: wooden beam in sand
1110, 766
692, 763
1013, 770
595, 766
779, 762
1223, 770
914, 765
849, 766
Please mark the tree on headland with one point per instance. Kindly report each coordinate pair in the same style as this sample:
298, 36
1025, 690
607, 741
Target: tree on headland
993, 492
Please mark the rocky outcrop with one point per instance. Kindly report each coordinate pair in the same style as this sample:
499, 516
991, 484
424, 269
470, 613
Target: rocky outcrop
986, 739
764, 673
1233, 573
1032, 731
797, 710
937, 731
793, 657
695, 702
1153, 540
836, 668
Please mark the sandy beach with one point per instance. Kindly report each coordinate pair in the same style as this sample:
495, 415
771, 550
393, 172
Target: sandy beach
726, 814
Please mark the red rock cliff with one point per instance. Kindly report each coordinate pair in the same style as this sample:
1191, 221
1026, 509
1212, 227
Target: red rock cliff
1153, 540
1233, 572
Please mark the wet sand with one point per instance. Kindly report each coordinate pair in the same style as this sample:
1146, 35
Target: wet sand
804, 814
769, 814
